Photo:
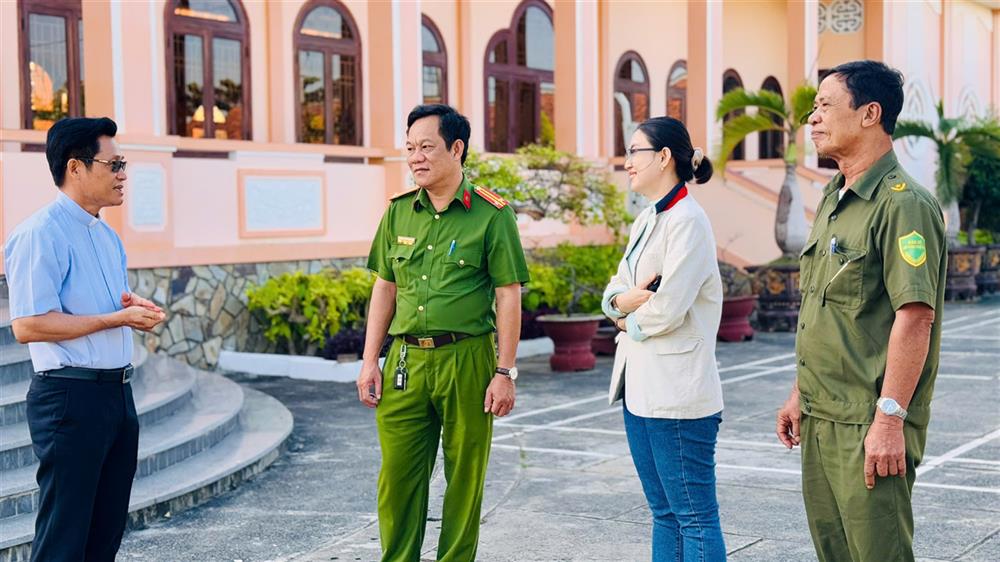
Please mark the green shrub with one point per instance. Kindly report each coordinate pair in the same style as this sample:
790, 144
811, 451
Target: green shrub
570, 278
542, 182
302, 310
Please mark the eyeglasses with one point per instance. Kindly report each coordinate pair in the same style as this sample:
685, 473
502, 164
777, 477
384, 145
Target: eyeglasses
630, 152
116, 165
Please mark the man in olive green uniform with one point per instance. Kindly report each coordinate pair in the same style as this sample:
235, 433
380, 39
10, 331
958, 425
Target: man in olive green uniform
450, 267
869, 334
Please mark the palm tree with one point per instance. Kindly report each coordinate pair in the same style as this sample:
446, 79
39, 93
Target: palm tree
957, 141
790, 229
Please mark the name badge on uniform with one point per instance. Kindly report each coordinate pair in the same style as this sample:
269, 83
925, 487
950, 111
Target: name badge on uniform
406, 240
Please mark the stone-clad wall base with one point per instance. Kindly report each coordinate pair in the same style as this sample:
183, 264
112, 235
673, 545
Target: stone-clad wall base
207, 306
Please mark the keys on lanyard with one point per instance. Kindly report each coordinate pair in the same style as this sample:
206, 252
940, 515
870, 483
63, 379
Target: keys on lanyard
401, 374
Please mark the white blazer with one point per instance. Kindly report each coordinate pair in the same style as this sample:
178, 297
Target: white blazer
666, 361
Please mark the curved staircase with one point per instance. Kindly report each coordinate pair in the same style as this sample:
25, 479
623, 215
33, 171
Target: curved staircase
200, 435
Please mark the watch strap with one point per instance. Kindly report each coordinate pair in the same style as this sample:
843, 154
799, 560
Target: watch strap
899, 413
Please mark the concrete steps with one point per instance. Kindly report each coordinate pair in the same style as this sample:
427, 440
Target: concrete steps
201, 435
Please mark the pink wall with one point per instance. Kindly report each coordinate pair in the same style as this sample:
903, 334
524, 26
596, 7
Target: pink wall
949, 49
969, 63
913, 45
445, 16
10, 68
660, 38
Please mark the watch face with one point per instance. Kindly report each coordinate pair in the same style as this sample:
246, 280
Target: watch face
889, 406
513, 373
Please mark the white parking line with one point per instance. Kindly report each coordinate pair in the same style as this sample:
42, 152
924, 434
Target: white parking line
968, 377
957, 451
759, 374
968, 317
757, 362
740, 467
563, 406
973, 326
970, 337
968, 354
566, 452
509, 419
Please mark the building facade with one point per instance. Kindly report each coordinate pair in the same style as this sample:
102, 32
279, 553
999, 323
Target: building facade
293, 164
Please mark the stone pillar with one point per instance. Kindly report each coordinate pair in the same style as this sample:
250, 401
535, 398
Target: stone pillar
576, 77
875, 29
803, 59
704, 63
102, 32
394, 70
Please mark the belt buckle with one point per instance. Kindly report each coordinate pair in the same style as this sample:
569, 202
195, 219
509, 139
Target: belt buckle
425, 343
127, 374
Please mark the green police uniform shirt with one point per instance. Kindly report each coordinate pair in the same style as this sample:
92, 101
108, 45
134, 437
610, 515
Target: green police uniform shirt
446, 265
877, 248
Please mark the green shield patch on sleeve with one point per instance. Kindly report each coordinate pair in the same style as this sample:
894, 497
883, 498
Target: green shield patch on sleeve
913, 248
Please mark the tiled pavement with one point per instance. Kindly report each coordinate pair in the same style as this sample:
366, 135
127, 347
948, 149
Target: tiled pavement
561, 485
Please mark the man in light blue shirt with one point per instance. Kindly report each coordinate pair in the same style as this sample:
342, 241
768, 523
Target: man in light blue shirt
71, 303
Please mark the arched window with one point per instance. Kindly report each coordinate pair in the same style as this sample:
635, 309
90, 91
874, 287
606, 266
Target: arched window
772, 143
327, 74
677, 88
52, 55
632, 80
730, 81
520, 82
208, 66
435, 62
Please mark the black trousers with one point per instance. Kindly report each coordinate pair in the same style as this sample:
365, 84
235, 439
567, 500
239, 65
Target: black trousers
86, 437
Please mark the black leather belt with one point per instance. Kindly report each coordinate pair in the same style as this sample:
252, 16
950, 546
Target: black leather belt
122, 375
433, 341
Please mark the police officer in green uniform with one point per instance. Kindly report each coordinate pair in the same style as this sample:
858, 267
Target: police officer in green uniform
869, 334
450, 267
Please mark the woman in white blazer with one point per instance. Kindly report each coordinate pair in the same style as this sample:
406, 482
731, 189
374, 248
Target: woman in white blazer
665, 365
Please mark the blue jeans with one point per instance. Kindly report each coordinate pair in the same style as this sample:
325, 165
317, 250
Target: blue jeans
675, 460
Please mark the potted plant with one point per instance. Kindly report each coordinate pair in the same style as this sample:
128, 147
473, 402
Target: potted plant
738, 303
957, 141
980, 206
571, 279
780, 299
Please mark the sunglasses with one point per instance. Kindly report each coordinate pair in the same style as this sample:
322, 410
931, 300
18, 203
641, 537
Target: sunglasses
115, 165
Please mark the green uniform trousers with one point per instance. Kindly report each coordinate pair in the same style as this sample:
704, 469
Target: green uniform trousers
849, 522
443, 400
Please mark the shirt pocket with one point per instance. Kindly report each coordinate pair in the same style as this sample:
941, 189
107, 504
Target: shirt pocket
401, 258
676, 345
460, 271
806, 258
845, 286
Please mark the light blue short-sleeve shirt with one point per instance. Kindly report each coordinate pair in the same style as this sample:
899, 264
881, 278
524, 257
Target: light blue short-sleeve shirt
64, 259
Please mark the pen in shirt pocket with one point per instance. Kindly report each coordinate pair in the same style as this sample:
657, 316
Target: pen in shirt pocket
451, 250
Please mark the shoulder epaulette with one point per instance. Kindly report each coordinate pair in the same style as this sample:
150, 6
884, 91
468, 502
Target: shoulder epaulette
404, 193
491, 198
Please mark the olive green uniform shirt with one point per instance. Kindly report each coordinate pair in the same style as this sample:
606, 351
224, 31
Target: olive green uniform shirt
876, 249
446, 265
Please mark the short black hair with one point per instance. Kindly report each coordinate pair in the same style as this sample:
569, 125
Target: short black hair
667, 132
873, 81
453, 125
75, 137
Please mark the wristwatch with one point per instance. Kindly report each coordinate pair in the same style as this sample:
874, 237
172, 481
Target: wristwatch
890, 407
509, 373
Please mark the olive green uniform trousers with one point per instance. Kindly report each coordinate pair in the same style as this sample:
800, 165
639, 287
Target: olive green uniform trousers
848, 521
442, 401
